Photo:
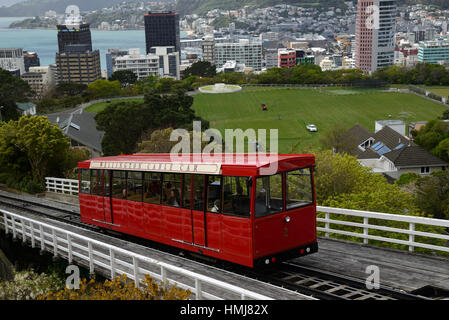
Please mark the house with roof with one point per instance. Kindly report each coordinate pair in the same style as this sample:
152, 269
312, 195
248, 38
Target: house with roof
391, 153
26, 108
81, 129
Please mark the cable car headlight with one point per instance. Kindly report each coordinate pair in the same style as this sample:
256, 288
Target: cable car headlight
287, 219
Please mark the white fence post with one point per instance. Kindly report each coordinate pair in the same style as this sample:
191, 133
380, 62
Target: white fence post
198, 291
411, 236
69, 248
327, 224
365, 230
136, 272
112, 257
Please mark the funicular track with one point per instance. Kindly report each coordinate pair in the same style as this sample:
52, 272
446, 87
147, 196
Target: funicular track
317, 283
330, 286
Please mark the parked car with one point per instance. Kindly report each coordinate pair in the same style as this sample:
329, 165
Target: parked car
311, 128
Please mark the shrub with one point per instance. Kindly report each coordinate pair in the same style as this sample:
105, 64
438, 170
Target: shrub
28, 285
120, 288
406, 178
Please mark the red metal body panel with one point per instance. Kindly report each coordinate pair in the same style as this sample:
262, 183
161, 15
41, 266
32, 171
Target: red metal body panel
273, 234
152, 221
237, 240
120, 215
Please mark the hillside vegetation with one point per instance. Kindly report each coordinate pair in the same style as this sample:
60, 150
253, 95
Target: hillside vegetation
33, 8
202, 6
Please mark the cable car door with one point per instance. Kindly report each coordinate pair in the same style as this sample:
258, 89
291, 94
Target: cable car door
198, 215
107, 208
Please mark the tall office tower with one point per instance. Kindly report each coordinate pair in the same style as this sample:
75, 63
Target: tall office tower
162, 30
208, 46
76, 61
71, 34
31, 59
375, 28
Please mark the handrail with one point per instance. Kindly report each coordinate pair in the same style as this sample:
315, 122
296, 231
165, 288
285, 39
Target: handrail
59, 185
366, 226
113, 259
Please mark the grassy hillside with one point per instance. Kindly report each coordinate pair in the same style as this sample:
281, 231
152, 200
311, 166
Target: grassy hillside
290, 110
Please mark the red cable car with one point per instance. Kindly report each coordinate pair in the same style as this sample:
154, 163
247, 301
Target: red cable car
223, 208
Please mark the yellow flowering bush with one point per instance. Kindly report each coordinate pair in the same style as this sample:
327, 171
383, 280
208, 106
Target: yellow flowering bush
119, 288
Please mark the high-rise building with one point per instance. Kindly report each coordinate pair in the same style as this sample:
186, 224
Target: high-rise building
30, 59
286, 58
81, 66
71, 34
76, 61
162, 61
111, 56
142, 65
208, 46
375, 28
162, 30
433, 51
168, 61
11, 59
246, 51
40, 79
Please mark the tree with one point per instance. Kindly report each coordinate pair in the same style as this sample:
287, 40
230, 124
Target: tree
125, 77
36, 139
445, 115
200, 69
12, 90
68, 89
123, 124
434, 137
432, 194
158, 142
104, 88
338, 140
172, 110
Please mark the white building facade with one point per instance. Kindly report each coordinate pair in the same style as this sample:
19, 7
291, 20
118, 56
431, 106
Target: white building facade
248, 52
11, 59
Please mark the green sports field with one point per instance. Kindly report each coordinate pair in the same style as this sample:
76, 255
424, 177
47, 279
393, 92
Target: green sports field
290, 110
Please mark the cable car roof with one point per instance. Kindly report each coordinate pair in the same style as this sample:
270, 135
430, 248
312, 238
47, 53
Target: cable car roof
227, 164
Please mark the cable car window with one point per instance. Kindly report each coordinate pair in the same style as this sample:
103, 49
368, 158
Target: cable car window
269, 195
299, 190
134, 183
119, 184
171, 189
95, 183
236, 196
152, 187
214, 194
85, 181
